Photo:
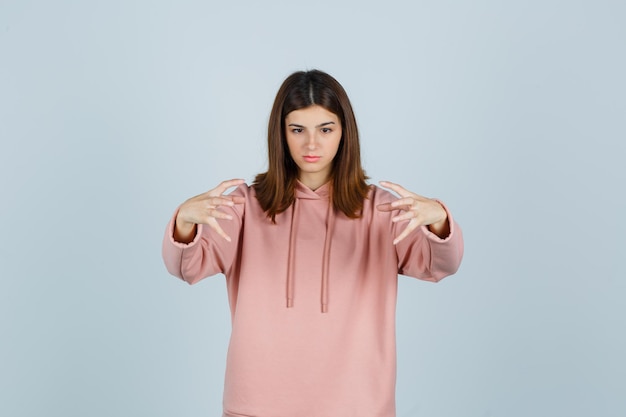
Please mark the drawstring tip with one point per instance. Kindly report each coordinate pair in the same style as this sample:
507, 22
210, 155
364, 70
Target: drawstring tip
324, 308
289, 303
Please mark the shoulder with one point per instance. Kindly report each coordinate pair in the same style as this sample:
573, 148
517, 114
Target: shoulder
243, 190
251, 206
375, 197
378, 195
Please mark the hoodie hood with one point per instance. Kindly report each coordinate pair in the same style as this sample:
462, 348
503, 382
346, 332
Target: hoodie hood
305, 193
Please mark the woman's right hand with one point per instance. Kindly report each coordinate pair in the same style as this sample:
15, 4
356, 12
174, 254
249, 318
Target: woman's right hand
203, 209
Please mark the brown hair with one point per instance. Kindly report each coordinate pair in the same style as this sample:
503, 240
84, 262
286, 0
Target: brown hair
275, 189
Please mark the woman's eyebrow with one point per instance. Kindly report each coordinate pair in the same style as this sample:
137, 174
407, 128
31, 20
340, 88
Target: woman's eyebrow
325, 124
320, 125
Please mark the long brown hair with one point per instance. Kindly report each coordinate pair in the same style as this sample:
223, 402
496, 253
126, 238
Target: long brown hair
275, 189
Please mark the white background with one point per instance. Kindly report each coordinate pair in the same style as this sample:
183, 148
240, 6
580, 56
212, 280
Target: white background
114, 112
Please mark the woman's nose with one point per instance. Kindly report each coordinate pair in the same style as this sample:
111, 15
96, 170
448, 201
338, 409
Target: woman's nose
311, 142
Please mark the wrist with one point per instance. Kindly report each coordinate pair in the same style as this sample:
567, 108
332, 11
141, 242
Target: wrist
442, 227
184, 232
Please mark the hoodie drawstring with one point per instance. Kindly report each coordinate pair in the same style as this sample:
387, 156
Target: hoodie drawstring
292, 253
330, 222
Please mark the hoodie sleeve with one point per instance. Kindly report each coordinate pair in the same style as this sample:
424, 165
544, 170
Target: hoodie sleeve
425, 255
209, 253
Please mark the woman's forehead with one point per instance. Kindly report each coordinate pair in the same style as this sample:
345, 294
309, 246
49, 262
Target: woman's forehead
312, 115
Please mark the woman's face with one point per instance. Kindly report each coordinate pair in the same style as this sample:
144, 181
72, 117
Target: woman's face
313, 136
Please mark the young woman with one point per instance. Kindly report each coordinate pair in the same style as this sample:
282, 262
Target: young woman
311, 255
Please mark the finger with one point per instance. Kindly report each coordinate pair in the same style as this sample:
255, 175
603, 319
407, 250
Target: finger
408, 229
214, 201
403, 202
385, 207
225, 185
217, 214
407, 215
222, 200
215, 226
401, 191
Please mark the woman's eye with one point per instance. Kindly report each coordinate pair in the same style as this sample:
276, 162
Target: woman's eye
326, 130
296, 130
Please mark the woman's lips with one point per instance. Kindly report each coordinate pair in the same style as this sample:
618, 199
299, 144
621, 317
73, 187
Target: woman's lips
311, 158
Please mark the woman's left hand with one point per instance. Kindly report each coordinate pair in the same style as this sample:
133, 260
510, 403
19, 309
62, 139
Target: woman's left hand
420, 211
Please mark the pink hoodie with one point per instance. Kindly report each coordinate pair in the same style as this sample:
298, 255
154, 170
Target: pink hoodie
313, 300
